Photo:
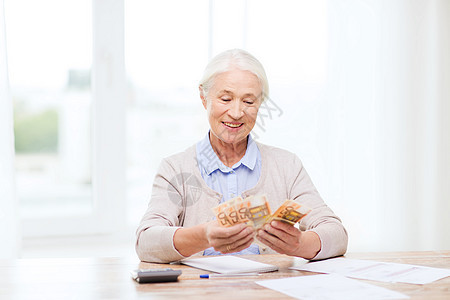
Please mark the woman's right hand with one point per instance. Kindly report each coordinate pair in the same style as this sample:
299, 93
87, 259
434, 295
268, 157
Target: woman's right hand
229, 239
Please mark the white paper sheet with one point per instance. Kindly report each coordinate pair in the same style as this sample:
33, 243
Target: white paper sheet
228, 264
330, 286
373, 270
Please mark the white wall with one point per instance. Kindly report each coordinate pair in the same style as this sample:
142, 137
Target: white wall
387, 128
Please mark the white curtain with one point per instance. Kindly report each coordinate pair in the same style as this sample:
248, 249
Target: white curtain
387, 127
8, 210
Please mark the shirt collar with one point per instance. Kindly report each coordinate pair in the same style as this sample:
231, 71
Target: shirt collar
251, 154
209, 161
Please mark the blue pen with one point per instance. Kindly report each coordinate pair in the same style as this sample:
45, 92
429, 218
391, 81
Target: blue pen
228, 275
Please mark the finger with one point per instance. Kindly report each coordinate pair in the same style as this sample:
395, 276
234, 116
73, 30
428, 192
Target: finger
244, 246
244, 233
277, 233
243, 241
288, 228
230, 246
270, 241
276, 238
220, 244
227, 232
270, 238
285, 246
237, 246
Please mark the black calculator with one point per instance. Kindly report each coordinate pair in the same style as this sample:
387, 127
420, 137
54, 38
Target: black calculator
155, 275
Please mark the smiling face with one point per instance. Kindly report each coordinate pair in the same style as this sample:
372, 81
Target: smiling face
232, 105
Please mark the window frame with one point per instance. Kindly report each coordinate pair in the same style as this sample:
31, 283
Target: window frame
108, 143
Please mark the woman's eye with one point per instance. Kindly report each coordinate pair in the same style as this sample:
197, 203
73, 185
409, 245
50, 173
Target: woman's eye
250, 102
226, 99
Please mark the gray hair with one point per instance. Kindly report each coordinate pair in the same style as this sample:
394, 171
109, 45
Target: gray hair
237, 58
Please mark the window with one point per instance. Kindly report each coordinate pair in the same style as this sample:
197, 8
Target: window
49, 53
68, 136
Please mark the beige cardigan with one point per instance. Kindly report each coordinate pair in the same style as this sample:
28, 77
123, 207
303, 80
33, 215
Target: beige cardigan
179, 192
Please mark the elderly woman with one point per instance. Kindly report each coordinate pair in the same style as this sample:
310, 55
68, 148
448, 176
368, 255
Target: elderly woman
227, 163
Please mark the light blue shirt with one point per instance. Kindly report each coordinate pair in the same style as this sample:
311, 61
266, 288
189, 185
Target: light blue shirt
230, 182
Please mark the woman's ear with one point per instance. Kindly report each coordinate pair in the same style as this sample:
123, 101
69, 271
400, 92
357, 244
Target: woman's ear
202, 95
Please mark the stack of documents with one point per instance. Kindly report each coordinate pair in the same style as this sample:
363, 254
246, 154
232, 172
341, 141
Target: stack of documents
337, 285
374, 270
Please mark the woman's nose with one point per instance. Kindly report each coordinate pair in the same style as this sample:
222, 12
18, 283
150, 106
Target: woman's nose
236, 110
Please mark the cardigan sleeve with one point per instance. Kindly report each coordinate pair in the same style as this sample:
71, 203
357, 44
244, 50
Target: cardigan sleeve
321, 219
154, 236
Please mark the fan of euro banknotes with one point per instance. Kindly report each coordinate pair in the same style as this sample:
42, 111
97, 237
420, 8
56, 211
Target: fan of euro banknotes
255, 211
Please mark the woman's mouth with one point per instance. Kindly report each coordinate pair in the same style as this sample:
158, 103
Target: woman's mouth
233, 125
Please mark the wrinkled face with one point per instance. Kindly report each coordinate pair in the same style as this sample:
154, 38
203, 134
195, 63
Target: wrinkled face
232, 105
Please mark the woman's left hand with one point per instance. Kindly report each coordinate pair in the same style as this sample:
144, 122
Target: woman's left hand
287, 239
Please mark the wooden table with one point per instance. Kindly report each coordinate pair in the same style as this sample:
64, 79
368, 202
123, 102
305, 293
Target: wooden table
109, 278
